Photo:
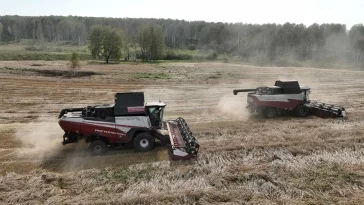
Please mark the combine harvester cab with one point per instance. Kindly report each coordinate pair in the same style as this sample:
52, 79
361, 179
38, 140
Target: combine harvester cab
128, 121
288, 97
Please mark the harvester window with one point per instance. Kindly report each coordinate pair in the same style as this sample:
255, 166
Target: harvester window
156, 115
306, 93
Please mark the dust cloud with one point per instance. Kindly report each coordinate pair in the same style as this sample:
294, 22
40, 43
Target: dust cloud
233, 106
39, 139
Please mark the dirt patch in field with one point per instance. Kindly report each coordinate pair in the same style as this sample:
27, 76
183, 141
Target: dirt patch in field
48, 73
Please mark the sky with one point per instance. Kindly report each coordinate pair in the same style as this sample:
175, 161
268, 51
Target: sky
347, 12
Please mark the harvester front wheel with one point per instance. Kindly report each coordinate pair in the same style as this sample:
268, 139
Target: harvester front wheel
301, 111
98, 147
143, 142
270, 113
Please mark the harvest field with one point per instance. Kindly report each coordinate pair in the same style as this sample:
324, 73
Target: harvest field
243, 159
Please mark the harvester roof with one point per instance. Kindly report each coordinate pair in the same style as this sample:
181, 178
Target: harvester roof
158, 104
289, 86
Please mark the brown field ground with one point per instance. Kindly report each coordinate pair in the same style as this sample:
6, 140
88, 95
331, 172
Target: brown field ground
243, 159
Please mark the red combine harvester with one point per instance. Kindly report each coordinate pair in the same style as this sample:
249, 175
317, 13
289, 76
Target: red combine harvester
287, 97
128, 121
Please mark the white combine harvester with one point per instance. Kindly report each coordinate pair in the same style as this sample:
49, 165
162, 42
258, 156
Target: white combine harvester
128, 121
287, 97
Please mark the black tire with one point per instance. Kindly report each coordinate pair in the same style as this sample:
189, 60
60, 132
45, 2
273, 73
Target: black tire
301, 111
143, 142
270, 113
98, 147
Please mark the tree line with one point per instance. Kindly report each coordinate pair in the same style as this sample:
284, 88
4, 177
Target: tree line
267, 42
107, 43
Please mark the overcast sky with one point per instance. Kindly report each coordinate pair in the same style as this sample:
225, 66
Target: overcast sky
348, 12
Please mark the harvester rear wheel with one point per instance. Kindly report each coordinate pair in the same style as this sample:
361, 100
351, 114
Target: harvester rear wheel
143, 142
98, 147
270, 113
301, 111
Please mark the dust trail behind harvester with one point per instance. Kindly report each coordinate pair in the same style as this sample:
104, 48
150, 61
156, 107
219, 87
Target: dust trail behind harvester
39, 139
233, 106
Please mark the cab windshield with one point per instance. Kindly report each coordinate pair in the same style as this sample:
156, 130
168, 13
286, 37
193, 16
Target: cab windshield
306, 95
156, 116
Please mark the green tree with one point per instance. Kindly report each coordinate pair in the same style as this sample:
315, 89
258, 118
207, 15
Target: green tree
96, 37
1, 30
112, 44
157, 47
151, 42
80, 32
75, 61
106, 43
145, 40
39, 32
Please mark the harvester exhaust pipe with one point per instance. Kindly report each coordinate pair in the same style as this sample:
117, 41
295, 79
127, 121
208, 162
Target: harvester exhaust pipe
236, 91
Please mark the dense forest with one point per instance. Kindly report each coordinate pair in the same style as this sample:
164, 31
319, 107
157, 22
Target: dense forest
267, 42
